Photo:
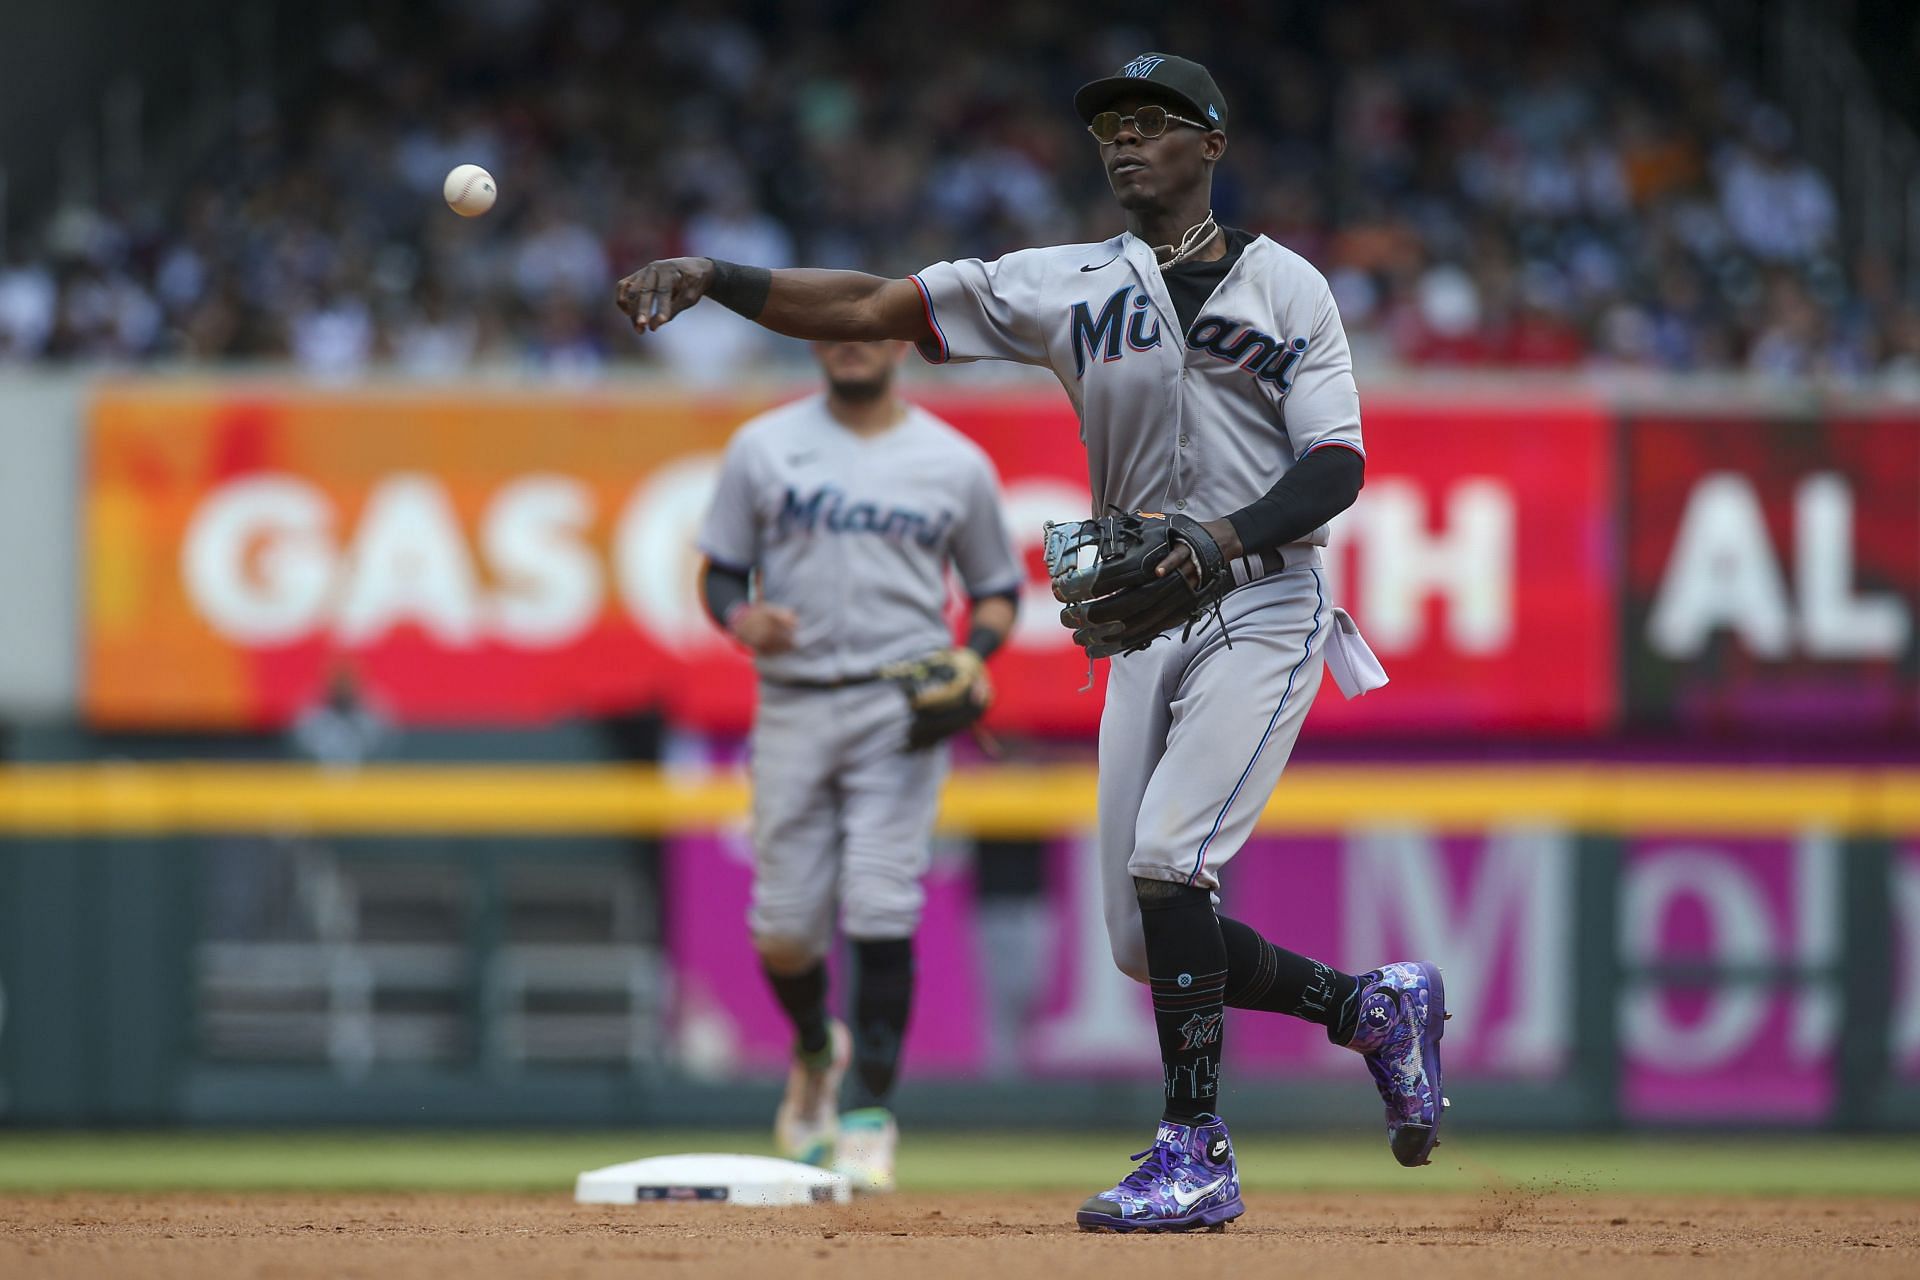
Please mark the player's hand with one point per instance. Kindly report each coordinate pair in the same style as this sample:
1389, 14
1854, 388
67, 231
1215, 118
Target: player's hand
1180, 559
764, 628
659, 291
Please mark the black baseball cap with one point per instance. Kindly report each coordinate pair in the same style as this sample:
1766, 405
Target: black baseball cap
1182, 79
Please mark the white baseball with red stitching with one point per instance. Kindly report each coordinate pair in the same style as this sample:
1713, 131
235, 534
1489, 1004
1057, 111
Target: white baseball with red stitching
469, 190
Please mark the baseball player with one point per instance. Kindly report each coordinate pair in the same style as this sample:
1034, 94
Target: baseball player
827, 549
1211, 375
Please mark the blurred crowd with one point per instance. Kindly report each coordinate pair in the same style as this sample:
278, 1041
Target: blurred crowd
1485, 183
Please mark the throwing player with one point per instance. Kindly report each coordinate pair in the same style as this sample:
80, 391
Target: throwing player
1213, 382
827, 549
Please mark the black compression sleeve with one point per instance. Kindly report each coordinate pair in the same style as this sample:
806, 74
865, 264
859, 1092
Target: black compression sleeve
721, 589
741, 289
1319, 487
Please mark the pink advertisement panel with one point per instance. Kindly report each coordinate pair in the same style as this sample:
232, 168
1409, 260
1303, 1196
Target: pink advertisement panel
1027, 984
1024, 985
1762, 1048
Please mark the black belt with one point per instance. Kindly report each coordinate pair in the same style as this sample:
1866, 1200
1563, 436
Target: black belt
1255, 565
844, 682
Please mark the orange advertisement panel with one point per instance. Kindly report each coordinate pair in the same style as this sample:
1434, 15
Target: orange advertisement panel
518, 557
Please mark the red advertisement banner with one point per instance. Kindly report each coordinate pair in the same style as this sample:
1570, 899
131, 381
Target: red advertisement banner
1773, 574
521, 558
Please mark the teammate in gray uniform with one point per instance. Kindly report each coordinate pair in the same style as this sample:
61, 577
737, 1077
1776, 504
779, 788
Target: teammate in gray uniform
1212, 378
828, 543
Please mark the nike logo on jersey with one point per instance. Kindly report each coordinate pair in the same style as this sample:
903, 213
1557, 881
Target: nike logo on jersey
1187, 1197
1096, 266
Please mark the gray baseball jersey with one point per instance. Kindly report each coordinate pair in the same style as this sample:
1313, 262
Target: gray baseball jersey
1194, 734
1202, 425
854, 534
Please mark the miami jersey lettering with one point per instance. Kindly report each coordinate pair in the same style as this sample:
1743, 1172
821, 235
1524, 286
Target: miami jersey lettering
1203, 425
856, 535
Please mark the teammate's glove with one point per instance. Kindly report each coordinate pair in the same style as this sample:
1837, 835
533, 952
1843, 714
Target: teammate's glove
940, 690
1103, 571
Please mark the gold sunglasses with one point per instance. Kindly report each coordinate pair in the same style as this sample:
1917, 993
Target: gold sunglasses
1148, 122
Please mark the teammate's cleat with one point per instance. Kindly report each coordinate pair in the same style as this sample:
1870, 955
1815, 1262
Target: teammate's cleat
1187, 1179
808, 1121
864, 1155
1403, 1014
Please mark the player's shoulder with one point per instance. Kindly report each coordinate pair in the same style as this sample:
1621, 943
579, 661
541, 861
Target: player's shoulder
942, 436
1054, 260
1285, 269
781, 420
1077, 259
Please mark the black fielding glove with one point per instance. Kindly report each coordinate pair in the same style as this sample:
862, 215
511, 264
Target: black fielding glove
1103, 571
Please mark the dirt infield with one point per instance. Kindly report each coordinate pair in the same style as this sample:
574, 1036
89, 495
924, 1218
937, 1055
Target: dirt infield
1515, 1232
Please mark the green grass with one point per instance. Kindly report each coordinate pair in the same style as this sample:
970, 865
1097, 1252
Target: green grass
1066, 1163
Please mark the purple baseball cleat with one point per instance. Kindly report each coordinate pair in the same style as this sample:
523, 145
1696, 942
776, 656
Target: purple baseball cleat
1403, 1014
1186, 1180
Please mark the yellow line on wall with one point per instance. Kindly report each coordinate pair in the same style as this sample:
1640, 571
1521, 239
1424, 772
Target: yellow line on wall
1001, 801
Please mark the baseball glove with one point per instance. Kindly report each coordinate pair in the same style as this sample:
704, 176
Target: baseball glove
1103, 571
939, 689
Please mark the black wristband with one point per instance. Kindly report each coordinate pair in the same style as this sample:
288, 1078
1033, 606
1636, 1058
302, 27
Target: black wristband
984, 640
740, 289
724, 589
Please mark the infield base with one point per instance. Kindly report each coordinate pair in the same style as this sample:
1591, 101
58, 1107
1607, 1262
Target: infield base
707, 1176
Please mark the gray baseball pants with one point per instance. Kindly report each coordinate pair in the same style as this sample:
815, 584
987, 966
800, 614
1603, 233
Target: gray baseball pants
842, 817
1193, 740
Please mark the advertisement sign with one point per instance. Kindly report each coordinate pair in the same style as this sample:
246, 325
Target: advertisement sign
1493, 911
518, 558
1773, 574
1760, 1045
1733, 1017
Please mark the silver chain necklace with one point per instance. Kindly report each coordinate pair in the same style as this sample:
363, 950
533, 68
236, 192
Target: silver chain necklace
1198, 237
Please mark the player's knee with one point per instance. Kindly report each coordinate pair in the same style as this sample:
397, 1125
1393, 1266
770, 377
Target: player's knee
880, 908
1152, 893
788, 955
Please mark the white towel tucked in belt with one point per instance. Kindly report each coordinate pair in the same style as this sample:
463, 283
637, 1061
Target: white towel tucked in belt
1354, 667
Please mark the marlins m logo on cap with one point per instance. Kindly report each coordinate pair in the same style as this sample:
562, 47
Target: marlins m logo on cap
1166, 76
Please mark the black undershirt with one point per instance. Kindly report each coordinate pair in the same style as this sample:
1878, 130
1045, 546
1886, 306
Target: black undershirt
1191, 283
1321, 484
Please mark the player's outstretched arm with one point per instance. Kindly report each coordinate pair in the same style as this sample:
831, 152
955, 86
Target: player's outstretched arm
845, 306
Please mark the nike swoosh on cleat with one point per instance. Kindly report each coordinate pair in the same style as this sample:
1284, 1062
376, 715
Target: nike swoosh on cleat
1186, 1200
1109, 262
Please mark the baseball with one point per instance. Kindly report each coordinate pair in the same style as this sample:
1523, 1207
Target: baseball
469, 190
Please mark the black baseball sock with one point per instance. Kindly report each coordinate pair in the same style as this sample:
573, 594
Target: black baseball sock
804, 996
1187, 970
883, 999
1263, 976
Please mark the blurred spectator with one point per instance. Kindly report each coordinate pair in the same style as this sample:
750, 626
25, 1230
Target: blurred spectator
344, 728
29, 302
1779, 207
1504, 183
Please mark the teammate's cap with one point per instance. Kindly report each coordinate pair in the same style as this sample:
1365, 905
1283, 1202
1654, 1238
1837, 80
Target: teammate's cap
1179, 78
